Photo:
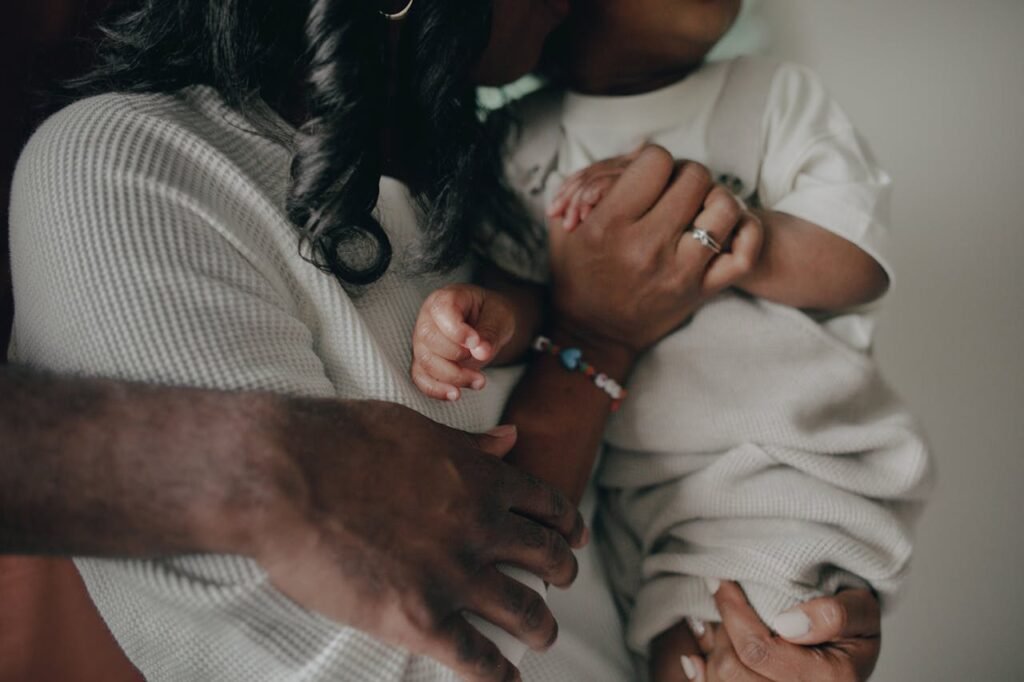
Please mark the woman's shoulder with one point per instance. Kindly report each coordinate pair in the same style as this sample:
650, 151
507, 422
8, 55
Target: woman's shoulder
103, 123
118, 172
89, 151
155, 133
186, 151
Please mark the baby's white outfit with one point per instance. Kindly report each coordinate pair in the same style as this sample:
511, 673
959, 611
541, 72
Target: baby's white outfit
757, 443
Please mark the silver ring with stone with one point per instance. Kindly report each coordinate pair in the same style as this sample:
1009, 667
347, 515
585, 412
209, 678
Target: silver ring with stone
706, 239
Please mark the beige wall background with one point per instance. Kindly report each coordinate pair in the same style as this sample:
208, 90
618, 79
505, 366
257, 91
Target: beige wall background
937, 87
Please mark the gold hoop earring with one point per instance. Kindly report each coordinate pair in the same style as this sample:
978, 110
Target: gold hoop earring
400, 14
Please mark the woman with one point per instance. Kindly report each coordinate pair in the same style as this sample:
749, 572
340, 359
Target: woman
154, 237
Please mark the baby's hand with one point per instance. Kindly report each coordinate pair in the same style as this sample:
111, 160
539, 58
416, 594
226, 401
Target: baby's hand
461, 328
584, 189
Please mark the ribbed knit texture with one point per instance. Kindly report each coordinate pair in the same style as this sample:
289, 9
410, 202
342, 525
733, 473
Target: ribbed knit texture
149, 242
756, 444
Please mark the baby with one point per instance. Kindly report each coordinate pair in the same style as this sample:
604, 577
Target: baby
758, 443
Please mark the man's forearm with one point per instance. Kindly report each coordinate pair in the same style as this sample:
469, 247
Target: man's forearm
95, 467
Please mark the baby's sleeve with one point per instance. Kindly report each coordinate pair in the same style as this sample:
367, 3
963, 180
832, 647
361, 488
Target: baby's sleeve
816, 166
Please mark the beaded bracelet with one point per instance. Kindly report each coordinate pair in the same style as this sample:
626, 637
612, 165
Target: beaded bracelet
572, 360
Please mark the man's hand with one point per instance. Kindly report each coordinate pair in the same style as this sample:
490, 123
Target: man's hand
394, 524
366, 512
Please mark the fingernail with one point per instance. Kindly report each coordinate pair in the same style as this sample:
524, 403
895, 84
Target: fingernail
502, 431
585, 538
453, 394
478, 383
792, 623
689, 669
472, 341
713, 584
697, 626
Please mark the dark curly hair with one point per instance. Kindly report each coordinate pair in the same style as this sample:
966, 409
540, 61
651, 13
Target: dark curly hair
256, 51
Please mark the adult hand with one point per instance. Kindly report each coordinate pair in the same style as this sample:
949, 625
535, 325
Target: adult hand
840, 641
400, 532
630, 274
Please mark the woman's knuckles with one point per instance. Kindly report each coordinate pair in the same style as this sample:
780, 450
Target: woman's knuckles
726, 667
755, 652
656, 160
846, 671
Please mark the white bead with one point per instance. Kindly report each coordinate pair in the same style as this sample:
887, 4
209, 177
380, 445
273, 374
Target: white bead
601, 380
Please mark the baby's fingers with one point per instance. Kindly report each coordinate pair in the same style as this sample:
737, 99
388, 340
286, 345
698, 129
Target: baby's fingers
450, 308
565, 194
432, 388
594, 191
442, 379
572, 184
452, 373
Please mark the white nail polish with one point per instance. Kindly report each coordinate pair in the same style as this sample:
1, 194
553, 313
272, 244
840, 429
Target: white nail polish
689, 669
697, 626
790, 624
713, 584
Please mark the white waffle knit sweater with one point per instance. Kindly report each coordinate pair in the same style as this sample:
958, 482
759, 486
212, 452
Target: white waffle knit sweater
149, 242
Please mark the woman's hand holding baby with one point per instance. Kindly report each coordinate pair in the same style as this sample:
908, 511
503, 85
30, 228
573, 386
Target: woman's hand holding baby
798, 263
839, 641
633, 274
582, 191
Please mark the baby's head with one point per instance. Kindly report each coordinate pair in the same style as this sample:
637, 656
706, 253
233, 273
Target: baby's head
622, 45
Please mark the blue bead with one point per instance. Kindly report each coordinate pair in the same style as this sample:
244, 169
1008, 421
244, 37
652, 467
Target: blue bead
570, 358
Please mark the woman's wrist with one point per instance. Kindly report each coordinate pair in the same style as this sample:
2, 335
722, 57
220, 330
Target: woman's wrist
612, 358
